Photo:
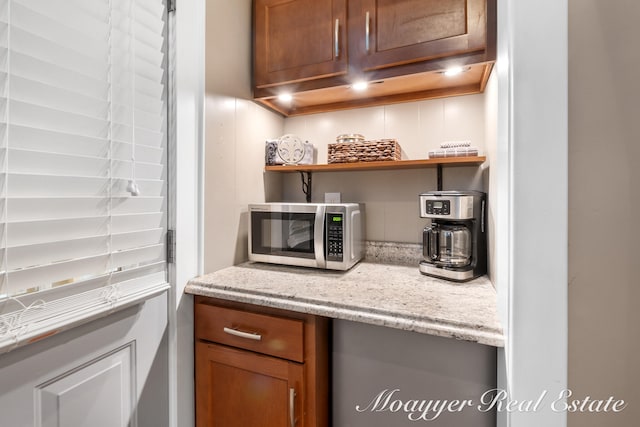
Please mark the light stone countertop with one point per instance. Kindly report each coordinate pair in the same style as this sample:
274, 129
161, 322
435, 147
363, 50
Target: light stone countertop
395, 296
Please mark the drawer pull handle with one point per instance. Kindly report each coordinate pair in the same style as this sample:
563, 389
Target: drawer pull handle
292, 407
247, 335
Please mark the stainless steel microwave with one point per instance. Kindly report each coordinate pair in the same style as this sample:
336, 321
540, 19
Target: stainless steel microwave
321, 235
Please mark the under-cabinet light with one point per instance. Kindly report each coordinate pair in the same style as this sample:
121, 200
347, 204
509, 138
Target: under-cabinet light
360, 86
454, 71
285, 97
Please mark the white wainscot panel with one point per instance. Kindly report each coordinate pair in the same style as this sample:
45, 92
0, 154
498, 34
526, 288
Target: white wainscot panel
100, 393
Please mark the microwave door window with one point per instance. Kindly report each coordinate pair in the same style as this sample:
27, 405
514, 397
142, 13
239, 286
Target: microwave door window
300, 235
284, 234
271, 234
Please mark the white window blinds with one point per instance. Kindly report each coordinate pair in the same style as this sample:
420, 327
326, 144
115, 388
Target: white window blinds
82, 160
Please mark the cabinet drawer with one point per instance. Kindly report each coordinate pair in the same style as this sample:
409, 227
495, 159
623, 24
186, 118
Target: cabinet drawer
272, 335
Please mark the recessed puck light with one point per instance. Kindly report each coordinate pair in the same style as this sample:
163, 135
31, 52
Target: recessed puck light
454, 71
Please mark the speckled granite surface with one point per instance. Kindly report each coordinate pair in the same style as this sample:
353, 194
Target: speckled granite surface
395, 296
409, 254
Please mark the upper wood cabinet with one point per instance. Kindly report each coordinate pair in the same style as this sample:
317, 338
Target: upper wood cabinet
298, 40
317, 48
389, 33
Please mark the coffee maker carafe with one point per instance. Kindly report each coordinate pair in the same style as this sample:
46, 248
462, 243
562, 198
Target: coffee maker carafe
454, 246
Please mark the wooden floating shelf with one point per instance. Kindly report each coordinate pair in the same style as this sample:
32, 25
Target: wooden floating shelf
390, 165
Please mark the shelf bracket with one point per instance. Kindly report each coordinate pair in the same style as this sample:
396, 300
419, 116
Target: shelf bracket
306, 184
439, 172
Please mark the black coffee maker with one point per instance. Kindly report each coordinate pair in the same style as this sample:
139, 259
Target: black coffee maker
454, 246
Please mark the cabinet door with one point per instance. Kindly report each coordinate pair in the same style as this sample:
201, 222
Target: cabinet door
297, 40
387, 33
238, 388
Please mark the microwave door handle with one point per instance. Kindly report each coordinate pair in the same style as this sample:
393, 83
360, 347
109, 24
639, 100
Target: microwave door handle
355, 235
318, 237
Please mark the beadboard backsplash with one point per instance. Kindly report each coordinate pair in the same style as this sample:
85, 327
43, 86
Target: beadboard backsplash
391, 197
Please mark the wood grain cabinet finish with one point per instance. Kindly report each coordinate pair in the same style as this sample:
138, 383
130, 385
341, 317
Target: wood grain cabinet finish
277, 380
390, 33
297, 40
318, 48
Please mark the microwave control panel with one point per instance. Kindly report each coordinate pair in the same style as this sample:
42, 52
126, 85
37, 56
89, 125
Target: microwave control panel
335, 236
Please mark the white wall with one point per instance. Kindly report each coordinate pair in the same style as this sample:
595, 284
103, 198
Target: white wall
533, 231
186, 71
235, 131
491, 175
604, 201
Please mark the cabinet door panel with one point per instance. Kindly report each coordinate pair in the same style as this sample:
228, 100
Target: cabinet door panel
245, 389
410, 23
244, 398
408, 31
295, 40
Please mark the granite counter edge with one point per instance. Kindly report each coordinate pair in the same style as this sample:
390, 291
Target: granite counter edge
428, 327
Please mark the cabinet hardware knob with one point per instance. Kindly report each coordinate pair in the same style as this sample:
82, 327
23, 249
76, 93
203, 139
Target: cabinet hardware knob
247, 335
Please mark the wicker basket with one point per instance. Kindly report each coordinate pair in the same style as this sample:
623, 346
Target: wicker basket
367, 151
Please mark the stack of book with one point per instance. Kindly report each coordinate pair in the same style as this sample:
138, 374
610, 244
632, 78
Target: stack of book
454, 149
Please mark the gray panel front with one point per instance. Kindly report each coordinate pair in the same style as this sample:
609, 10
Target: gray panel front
367, 360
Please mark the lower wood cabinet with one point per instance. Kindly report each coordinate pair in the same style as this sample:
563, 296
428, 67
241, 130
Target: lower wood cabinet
259, 367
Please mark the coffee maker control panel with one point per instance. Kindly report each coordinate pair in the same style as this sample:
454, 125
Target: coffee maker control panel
451, 205
438, 207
